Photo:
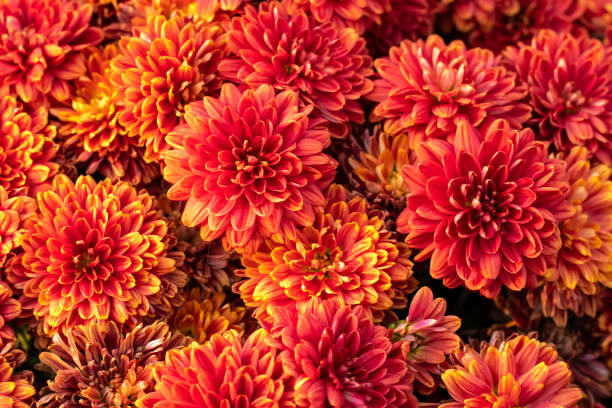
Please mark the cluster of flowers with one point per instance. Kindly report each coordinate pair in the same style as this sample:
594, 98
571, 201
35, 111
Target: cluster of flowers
236, 203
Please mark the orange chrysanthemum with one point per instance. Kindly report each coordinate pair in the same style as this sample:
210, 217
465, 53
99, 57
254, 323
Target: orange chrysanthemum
95, 252
518, 372
40, 45
223, 372
585, 260
428, 338
170, 63
570, 87
427, 87
202, 316
16, 390
249, 165
13, 213
340, 359
9, 309
90, 127
328, 67
26, 148
346, 254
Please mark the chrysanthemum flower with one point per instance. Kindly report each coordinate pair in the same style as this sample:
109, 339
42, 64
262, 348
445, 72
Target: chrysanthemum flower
346, 253
169, 64
570, 87
91, 131
40, 45
339, 358
519, 372
585, 260
26, 148
223, 372
248, 164
329, 67
486, 208
95, 252
428, 338
16, 390
99, 366
9, 309
13, 213
202, 316
427, 87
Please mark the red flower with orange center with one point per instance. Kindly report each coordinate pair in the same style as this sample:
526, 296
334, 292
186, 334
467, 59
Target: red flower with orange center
40, 44
170, 63
347, 254
249, 165
427, 87
95, 252
486, 209
329, 67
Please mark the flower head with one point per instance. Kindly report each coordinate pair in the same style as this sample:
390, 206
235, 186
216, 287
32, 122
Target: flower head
518, 372
328, 66
249, 164
346, 254
486, 208
223, 372
40, 45
95, 252
170, 63
427, 87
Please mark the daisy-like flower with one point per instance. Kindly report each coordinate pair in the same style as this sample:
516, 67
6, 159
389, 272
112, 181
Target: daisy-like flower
170, 63
249, 165
346, 254
570, 88
16, 390
13, 213
328, 66
584, 262
40, 47
518, 372
339, 358
27, 148
486, 208
99, 366
95, 252
9, 309
223, 372
428, 338
427, 87
90, 129
202, 316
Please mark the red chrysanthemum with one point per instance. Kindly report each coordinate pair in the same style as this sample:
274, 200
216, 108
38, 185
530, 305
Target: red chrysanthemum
170, 63
486, 209
248, 164
518, 372
329, 67
40, 44
347, 253
570, 87
339, 358
224, 372
95, 252
427, 87
26, 148
13, 213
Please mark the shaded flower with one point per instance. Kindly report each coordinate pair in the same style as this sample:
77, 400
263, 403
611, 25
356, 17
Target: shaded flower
95, 252
427, 87
519, 371
339, 358
99, 366
90, 129
249, 165
486, 208
9, 309
570, 88
13, 213
328, 67
604, 321
26, 148
345, 254
223, 372
168, 64
427, 337
40, 45
16, 390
